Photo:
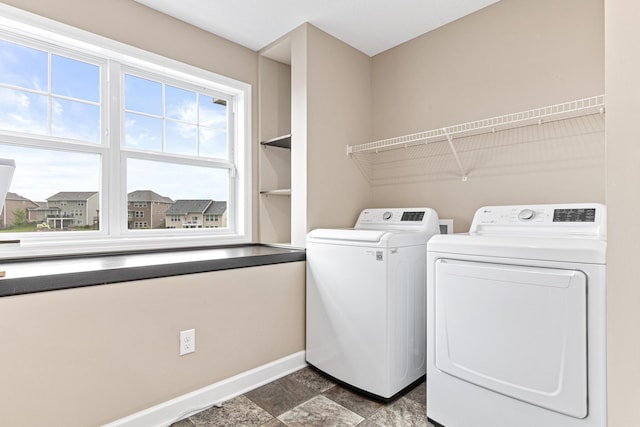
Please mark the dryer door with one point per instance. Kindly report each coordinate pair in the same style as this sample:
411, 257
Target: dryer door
520, 331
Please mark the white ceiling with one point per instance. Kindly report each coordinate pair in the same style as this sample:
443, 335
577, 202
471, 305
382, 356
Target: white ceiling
371, 26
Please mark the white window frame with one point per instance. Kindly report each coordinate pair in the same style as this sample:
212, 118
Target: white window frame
116, 236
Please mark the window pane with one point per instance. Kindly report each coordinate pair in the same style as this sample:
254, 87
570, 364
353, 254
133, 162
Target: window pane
75, 79
213, 143
180, 104
185, 194
142, 132
213, 130
142, 95
212, 113
23, 66
52, 191
23, 111
180, 138
75, 120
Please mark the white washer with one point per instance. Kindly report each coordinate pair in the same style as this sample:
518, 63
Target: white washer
516, 325
366, 300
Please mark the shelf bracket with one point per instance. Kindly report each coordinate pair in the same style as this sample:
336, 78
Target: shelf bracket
455, 154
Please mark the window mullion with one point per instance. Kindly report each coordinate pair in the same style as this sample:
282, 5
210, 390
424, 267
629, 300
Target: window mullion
49, 99
164, 117
198, 123
114, 171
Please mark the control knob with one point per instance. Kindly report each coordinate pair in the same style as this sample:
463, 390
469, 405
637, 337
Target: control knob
526, 215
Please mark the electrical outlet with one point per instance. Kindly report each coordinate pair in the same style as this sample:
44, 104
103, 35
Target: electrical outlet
187, 342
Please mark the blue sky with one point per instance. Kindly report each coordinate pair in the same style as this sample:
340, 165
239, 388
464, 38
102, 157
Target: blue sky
193, 126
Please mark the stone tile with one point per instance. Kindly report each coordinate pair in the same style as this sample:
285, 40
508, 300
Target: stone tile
354, 402
182, 423
403, 412
239, 411
419, 394
320, 412
281, 395
314, 381
276, 423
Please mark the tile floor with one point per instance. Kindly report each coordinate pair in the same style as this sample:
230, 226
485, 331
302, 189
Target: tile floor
308, 399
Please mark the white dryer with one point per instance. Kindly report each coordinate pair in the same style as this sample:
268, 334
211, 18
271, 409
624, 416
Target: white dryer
516, 325
366, 300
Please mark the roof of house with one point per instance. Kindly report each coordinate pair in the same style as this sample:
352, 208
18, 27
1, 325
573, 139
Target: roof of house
147, 196
184, 207
216, 208
44, 206
15, 196
72, 195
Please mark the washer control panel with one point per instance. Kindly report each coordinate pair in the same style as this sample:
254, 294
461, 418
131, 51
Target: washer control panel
589, 218
410, 219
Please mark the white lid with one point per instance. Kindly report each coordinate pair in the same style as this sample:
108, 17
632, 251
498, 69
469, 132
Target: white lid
347, 234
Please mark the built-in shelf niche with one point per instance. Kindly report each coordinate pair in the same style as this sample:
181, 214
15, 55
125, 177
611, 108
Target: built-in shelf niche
275, 151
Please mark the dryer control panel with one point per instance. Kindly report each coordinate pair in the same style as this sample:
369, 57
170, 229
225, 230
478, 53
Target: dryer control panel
588, 219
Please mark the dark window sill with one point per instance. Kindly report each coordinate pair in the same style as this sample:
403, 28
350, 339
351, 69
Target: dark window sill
41, 275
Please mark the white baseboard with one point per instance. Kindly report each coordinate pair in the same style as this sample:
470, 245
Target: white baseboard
188, 404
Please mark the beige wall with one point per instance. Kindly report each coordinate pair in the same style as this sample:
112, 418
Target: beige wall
330, 108
88, 356
299, 130
338, 113
512, 56
622, 61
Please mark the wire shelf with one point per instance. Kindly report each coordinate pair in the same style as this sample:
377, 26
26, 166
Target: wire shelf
591, 105
568, 132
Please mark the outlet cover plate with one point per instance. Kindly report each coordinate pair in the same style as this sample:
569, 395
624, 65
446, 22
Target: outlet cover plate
187, 341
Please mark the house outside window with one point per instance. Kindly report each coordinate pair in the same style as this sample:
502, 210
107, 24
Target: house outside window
179, 131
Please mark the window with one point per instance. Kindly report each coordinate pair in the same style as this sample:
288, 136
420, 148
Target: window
90, 121
42, 96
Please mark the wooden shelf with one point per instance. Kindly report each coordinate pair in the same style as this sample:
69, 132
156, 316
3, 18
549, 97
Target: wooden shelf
280, 141
280, 192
